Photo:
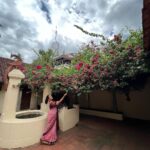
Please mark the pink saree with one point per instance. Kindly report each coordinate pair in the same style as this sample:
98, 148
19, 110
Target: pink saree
50, 133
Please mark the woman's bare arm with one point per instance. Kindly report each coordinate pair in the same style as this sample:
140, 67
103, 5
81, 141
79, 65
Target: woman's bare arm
58, 102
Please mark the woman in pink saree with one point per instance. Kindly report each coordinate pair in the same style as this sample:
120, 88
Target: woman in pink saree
50, 134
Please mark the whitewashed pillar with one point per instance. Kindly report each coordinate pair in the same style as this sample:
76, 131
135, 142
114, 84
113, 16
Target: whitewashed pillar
33, 101
46, 91
11, 95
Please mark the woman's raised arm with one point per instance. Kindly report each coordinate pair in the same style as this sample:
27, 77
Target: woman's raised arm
58, 102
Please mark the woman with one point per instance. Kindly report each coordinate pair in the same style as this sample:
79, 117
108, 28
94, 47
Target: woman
50, 134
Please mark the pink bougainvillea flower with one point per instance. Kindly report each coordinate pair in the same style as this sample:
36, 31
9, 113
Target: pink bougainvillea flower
95, 75
95, 58
111, 52
48, 67
87, 66
130, 58
38, 67
77, 67
80, 64
33, 72
22, 68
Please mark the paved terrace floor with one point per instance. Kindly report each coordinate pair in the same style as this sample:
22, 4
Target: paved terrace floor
94, 133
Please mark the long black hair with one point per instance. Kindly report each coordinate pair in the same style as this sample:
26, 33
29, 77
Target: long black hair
46, 99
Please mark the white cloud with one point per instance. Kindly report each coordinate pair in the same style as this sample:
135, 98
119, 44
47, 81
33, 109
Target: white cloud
31, 24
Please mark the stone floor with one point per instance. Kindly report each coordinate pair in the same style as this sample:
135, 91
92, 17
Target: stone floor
94, 133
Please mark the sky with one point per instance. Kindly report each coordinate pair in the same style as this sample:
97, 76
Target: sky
29, 25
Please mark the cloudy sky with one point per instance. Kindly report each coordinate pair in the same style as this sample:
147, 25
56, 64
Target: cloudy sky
41, 24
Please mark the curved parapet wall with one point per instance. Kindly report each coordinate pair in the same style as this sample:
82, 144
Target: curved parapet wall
22, 132
68, 118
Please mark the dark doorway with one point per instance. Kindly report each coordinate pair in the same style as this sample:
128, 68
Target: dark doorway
26, 98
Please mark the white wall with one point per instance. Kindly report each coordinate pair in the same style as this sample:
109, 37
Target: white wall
2, 94
138, 107
33, 101
68, 118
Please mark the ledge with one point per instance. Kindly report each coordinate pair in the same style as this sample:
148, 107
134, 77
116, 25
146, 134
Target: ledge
110, 115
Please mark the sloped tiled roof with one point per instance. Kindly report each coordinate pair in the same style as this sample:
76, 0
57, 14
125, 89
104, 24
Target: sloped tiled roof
4, 62
65, 56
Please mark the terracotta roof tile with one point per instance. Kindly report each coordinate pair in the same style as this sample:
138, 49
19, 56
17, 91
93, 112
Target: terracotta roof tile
3, 66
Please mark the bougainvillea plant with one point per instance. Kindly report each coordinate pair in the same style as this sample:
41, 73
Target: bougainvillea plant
39, 72
36, 76
113, 64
